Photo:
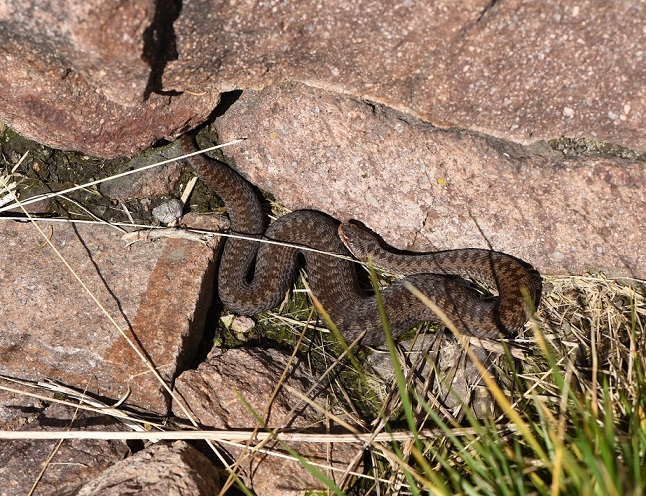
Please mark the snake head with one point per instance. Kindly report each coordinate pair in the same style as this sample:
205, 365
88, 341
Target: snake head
358, 240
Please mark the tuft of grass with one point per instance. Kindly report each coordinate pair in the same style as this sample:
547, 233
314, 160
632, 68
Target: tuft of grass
571, 403
574, 421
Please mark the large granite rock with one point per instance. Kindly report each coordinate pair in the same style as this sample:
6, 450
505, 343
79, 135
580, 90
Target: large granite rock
112, 79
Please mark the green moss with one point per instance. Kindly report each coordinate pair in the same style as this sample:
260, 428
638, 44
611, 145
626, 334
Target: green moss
574, 147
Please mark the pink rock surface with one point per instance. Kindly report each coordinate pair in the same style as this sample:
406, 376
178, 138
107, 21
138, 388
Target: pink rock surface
172, 470
50, 328
112, 79
425, 188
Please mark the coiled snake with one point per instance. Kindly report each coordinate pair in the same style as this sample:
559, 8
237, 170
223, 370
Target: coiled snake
254, 277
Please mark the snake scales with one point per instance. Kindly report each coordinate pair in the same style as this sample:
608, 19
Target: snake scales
254, 277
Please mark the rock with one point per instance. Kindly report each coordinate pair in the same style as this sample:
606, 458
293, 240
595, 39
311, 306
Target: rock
168, 212
515, 71
85, 76
75, 461
171, 470
443, 370
105, 53
506, 69
158, 181
214, 393
110, 80
50, 328
424, 188
17, 410
242, 325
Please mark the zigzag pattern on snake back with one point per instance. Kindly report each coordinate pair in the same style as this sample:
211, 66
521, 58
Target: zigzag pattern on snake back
254, 277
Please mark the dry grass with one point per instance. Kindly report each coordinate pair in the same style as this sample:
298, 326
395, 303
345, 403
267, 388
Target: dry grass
596, 327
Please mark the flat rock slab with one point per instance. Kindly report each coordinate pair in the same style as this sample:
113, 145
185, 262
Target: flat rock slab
50, 327
425, 188
524, 71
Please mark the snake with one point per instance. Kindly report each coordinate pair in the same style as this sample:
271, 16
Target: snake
254, 277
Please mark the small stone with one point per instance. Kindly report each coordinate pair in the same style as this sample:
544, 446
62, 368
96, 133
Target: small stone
242, 324
568, 112
168, 212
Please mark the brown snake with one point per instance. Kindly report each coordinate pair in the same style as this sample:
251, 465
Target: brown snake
254, 277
